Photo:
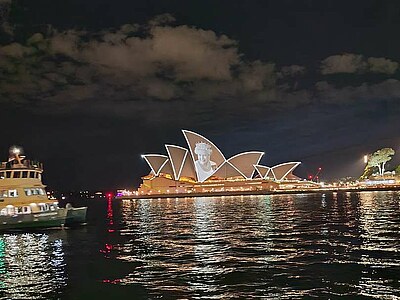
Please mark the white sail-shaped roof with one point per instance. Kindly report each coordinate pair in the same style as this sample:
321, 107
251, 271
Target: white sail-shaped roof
155, 161
206, 160
198, 143
188, 168
282, 170
244, 162
291, 176
167, 168
177, 156
193, 138
263, 171
226, 170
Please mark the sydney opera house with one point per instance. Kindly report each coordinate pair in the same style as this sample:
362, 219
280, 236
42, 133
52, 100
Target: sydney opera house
202, 168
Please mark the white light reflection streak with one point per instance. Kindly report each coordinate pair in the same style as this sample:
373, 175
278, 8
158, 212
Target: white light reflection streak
31, 266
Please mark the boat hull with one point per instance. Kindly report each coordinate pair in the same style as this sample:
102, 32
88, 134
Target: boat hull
48, 219
76, 216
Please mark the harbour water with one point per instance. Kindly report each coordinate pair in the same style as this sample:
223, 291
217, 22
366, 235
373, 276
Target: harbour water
344, 245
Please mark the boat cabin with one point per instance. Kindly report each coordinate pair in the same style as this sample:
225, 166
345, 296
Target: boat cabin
21, 187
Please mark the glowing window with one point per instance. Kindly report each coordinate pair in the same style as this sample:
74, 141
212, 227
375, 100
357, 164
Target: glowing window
12, 193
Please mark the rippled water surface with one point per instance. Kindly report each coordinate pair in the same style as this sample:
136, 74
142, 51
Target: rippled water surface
344, 245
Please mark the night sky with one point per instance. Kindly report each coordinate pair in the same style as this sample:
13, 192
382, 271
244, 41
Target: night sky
88, 86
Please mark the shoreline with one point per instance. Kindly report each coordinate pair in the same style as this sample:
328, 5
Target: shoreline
263, 192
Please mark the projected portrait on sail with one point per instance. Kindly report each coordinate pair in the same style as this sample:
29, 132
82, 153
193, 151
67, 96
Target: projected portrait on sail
204, 166
206, 156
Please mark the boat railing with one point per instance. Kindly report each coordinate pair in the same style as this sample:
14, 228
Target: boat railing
26, 164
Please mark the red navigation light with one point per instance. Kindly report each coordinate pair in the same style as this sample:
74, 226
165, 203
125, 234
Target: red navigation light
310, 176
319, 169
109, 195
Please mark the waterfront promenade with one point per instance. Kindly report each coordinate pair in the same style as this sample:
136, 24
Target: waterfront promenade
324, 189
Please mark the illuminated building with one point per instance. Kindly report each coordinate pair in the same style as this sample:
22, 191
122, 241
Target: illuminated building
202, 168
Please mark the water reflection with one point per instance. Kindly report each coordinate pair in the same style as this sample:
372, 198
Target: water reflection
280, 246
31, 266
108, 246
379, 222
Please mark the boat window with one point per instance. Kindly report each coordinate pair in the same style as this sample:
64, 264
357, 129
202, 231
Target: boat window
36, 174
34, 191
12, 193
41, 191
8, 174
1, 175
31, 174
24, 174
17, 174
44, 207
10, 210
28, 192
26, 209
4, 193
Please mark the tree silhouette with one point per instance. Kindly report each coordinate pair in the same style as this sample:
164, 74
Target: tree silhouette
378, 160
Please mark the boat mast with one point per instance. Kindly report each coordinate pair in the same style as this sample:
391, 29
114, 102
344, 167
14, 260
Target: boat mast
15, 155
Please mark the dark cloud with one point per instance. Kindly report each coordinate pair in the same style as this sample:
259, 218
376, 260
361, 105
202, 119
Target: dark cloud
328, 93
132, 82
346, 63
5, 25
80, 70
153, 61
382, 65
356, 63
293, 70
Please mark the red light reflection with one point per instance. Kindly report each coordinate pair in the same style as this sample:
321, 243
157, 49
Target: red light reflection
107, 248
110, 225
115, 281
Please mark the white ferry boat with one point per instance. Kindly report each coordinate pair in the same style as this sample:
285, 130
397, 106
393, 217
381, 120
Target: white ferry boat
23, 199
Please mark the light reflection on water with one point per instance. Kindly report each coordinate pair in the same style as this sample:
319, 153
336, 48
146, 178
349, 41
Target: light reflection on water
285, 246
271, 247
31, 266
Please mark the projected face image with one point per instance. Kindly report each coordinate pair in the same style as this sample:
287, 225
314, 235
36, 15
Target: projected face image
204, 160
204, 166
